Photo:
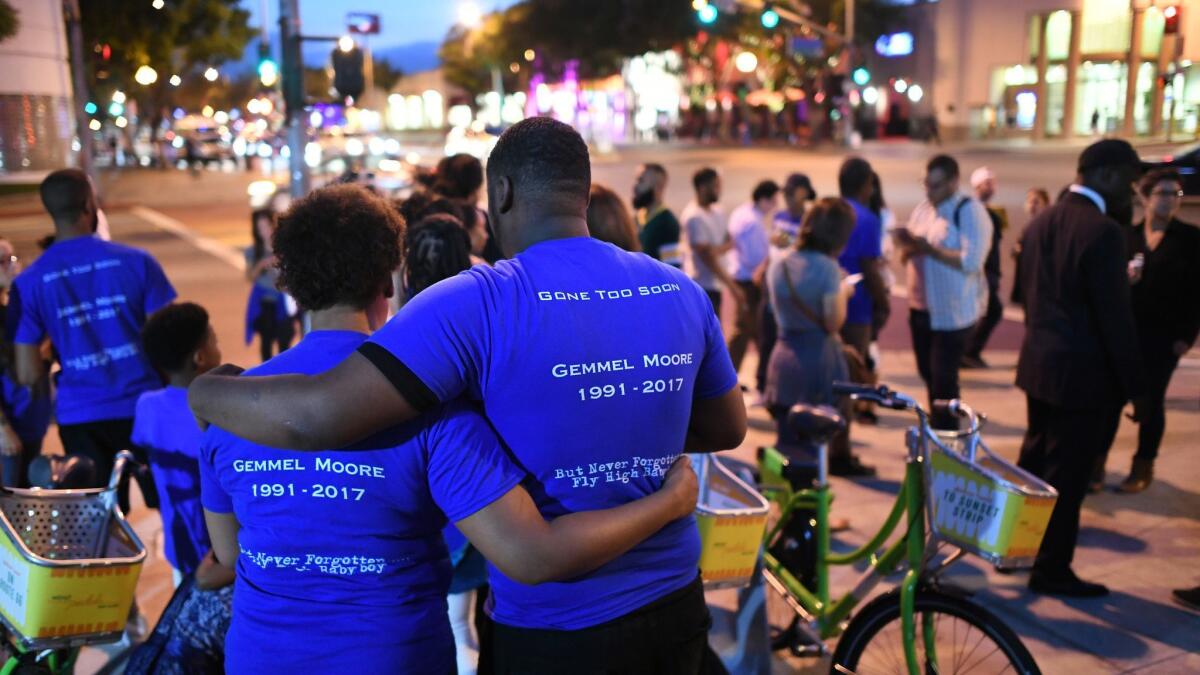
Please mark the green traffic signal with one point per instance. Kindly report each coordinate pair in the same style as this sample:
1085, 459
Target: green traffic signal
708, 14
769, 18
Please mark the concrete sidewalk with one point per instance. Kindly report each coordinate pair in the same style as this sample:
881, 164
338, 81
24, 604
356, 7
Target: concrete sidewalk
1141, 546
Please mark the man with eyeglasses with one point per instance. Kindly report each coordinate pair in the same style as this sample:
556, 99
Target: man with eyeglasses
1079, 361
944, 247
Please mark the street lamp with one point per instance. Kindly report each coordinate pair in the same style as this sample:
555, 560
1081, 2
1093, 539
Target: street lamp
211, 74
175, 80
470, 15
145, 76
530, 55
158, 4
346, 44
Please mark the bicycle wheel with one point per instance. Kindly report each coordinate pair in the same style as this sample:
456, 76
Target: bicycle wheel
968, 639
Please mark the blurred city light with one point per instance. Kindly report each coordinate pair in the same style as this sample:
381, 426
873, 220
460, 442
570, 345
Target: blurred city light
207, 111
470, 15
158, 4
708, 13
915, 93
354, 147
346, 43
769, 18
268, 73
530, 55
145, 76
94, 125
861, 76
115, 109
176, 80
90, 108
121, 122
901, 86
870, 95
211, 74
746, 62
221, 117
118, 96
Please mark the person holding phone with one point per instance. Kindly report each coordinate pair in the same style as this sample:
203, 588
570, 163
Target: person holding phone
809, 297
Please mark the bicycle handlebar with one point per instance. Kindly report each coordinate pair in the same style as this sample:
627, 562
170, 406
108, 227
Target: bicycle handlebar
123, 459
880, 395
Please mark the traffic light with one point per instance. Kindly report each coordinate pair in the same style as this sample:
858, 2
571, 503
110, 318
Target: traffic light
268, 70
769, 18
861, 76
1170, 20
348, 77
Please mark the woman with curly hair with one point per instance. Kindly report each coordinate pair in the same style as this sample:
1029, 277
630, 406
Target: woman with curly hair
339, 555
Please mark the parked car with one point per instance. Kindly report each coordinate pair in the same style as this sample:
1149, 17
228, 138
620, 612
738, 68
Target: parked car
1184, 159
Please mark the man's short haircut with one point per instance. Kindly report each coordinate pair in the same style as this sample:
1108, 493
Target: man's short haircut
543, 157
766, 189
797, 181
1156, 176
655, 167
947, 164
458, 176
853, 176
703, 177
172, 334
337, 246
65, 194
827, 226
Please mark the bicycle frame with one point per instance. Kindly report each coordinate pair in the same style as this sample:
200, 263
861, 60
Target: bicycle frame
912, 549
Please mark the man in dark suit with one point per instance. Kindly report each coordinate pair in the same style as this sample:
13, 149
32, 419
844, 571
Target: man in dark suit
1079, 361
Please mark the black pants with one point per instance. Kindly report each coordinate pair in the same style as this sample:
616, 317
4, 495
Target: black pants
1160, 363
991, 319
668, 636
715, 298
100, 441
273, 332
1061, 446
745, 330
767, 335
938, 355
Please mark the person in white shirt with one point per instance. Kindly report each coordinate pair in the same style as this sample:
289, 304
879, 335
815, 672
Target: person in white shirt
707, 237
944, 246
748, 226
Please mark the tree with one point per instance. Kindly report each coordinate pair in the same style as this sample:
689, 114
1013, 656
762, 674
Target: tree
386, 75
10, 22
185, 38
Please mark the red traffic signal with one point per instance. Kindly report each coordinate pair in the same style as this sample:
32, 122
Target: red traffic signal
1171, 20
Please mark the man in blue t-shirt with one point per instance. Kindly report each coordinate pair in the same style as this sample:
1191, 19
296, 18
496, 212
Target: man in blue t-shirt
596, 366
90, 298
339, 554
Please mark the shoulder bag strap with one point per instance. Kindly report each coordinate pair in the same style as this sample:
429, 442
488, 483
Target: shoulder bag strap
798, 303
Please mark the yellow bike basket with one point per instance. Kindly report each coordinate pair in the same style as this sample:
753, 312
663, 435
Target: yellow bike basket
732, 517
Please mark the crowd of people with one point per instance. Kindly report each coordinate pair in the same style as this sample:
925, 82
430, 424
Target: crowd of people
471, 459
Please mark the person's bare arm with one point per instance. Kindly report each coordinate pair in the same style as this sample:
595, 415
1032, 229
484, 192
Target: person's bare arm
223, 534
512, 534
872, 271
709, 254
336, 408
211, 575
717, 423
29, 366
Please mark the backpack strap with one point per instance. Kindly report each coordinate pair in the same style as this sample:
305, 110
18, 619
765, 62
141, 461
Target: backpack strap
958, 209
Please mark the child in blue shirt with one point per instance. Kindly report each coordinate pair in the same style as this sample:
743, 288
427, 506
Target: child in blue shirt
339, 555
180, 344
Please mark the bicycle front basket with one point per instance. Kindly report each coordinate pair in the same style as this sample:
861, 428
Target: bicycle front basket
989, 507
69, 565
732, 517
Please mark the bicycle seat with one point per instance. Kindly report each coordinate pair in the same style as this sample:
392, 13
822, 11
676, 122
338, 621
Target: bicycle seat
814, 424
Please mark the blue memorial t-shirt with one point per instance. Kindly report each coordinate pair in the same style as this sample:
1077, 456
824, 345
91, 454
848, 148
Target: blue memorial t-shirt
587, 359
342, 563
163, 426
91, 297
866, 241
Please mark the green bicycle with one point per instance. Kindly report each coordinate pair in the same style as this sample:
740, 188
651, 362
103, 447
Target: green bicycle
924, 626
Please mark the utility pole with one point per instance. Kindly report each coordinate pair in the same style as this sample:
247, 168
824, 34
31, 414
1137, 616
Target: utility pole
80, 93
293, 96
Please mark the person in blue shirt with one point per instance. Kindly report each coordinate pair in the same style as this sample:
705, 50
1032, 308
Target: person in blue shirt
180, 344
24, 411
339, 554
596, 366
90, 298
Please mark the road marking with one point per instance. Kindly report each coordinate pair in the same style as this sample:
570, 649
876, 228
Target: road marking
213, 247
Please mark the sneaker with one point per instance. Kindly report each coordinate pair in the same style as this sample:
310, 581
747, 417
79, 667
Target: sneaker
1065, 585
973, 362
1188, 597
